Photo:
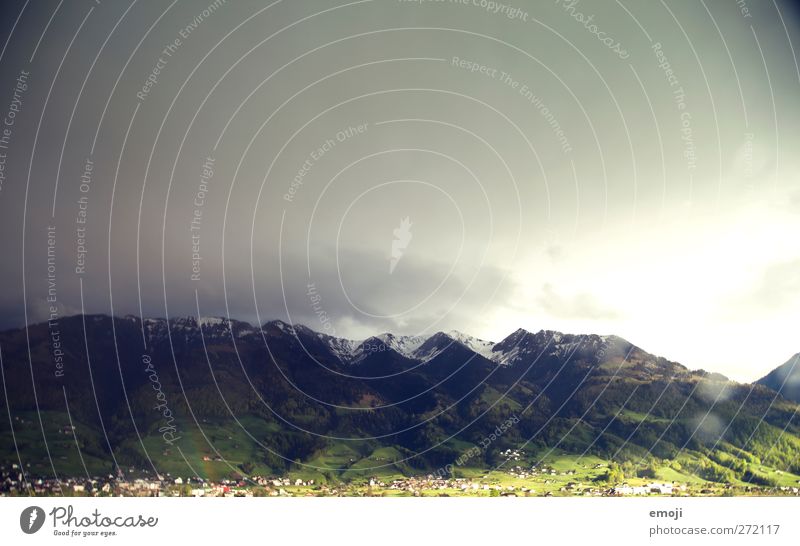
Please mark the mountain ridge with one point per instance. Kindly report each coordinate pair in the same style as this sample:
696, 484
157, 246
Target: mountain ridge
406, 345
352, 350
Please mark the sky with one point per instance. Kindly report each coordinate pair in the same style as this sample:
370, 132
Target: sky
609, 167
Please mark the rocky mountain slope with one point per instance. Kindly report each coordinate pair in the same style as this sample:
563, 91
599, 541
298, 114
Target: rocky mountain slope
281, 397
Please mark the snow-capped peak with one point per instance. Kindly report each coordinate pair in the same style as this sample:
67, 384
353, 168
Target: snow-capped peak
480, 346
405, 345
210, 321
344, 349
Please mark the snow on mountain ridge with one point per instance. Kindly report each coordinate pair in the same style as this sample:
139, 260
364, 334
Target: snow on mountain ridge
477, 345
405, 345
517, 346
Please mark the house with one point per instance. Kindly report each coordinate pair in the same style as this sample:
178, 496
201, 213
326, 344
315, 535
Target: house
660, 488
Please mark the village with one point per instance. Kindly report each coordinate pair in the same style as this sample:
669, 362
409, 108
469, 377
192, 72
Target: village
515, 482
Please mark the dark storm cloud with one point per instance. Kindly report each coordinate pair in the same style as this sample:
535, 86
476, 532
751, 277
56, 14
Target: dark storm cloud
197, 122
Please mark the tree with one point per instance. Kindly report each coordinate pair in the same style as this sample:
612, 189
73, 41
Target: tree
614, 474
650, 471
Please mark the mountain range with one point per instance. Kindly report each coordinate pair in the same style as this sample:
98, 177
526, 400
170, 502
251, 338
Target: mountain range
785, 379
214, 397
